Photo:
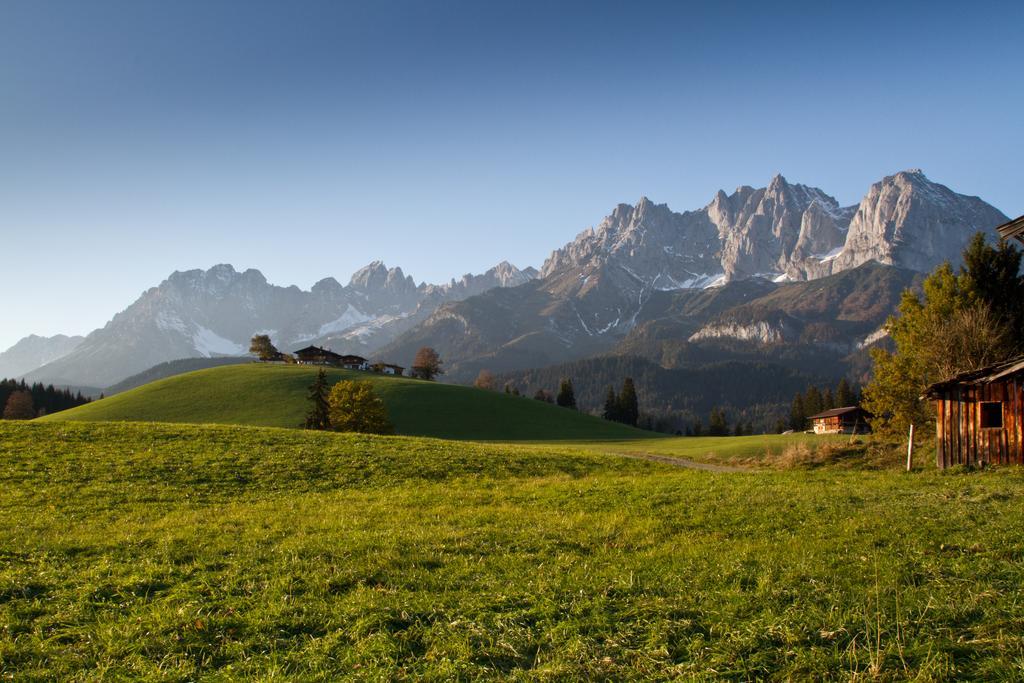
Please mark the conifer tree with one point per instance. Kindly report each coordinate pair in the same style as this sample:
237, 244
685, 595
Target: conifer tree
319, 416
611, 406
813, 400
798, 414
845, 395
717, 424
566, 394
629, 409
827, 400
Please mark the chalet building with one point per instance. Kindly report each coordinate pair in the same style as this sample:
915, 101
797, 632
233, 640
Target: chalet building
1013, 229
389, 369
354, 363
979, 415
848, 420
314, 355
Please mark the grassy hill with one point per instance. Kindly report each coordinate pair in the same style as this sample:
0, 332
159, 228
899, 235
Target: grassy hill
183, 552
275, 396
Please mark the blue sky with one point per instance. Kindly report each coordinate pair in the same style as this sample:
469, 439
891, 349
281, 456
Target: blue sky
140, 137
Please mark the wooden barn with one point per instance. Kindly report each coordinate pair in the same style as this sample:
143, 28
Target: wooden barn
979, 415
314, 355
1014, 229
848, 420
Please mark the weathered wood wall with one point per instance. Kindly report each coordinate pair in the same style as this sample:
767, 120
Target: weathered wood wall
961, 439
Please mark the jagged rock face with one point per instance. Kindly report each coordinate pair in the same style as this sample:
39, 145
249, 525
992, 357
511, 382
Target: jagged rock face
767, 232
216, 312
762, 331
32, 351
608, 272
907, 220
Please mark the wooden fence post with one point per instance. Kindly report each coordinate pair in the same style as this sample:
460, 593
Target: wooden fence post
910, 448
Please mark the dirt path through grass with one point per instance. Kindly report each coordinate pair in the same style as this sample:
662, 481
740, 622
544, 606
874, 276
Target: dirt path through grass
683, 462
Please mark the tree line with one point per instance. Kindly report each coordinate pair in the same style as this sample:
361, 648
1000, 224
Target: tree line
815, 400
22, 401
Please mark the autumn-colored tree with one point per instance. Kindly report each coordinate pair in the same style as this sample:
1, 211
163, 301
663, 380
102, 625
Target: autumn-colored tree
354, 407
261, 347
319, 416
427, 364
961, 321
19, 406
485, 380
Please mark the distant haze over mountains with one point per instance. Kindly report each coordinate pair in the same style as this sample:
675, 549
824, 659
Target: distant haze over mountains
590, 295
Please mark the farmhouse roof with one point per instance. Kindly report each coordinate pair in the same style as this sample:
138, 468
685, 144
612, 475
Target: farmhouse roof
985, 375
318, 351
835, 412
1014, 228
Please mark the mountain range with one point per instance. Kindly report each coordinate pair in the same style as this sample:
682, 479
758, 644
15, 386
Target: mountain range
760, 267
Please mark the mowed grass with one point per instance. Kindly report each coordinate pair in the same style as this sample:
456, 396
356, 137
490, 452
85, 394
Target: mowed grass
175, 552
276, 396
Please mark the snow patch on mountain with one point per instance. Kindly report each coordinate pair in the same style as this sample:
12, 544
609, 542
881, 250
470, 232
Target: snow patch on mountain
351, 317
208, 343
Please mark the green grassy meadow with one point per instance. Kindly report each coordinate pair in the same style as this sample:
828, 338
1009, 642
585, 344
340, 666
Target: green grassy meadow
275, 396
183, 552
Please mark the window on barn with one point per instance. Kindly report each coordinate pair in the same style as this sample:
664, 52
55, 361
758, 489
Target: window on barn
992, 415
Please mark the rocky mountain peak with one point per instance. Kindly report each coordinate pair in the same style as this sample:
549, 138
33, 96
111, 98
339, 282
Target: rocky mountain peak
327, 285
910, 221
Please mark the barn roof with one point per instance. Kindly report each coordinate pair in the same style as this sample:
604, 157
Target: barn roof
836, 412
977, 377
1014, 228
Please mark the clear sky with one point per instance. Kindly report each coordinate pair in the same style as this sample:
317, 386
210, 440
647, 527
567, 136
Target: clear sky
306, 139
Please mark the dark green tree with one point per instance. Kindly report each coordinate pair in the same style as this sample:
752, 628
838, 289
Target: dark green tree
991, 275
629, 408
845, 395
611, 406
566, 394
813, 401
319, 415
798, 414
717, 424
828, 402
